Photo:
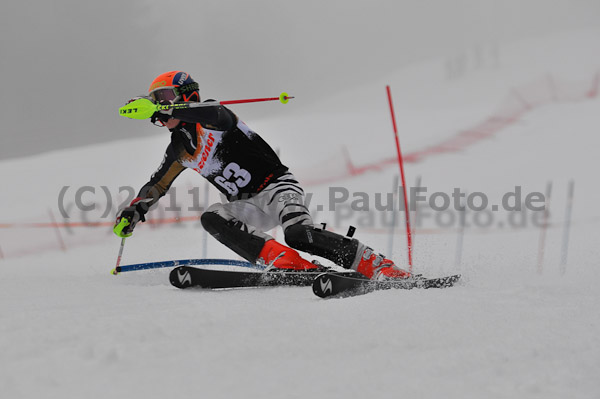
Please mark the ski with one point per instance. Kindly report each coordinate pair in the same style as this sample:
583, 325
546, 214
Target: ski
186, 276
183, 262
346, 284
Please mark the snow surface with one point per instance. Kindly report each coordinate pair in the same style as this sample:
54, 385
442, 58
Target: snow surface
69, 329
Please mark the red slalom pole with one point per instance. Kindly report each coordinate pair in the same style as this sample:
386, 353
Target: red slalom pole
401, 163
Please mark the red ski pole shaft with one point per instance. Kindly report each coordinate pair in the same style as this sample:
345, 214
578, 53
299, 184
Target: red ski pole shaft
283, 98
255, 100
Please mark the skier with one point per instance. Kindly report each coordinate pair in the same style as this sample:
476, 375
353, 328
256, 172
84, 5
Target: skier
260, 190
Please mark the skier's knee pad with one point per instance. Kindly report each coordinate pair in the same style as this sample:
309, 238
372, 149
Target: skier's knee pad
231, 234
337, 248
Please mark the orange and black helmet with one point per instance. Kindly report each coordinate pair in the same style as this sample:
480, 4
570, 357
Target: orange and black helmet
174, 86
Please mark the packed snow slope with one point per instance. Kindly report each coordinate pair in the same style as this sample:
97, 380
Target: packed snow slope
69, 329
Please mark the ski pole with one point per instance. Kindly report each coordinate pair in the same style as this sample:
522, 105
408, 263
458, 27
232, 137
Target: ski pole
143, 108
115, 270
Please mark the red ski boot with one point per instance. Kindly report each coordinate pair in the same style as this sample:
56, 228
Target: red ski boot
279, 256
377, 267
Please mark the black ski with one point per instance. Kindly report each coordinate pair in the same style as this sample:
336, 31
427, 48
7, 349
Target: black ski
353, 283
186, 276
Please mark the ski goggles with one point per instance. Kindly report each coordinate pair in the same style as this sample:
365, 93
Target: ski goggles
170, 94
164, 95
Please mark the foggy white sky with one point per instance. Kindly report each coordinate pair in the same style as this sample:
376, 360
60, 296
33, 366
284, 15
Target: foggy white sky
69, 64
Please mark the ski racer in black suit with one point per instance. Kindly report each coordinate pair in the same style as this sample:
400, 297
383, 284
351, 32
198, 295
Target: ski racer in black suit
261, 192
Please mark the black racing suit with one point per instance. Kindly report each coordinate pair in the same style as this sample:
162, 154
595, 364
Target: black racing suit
240, 164
215, 143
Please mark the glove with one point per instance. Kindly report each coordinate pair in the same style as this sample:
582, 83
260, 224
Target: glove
159, 118
129, 217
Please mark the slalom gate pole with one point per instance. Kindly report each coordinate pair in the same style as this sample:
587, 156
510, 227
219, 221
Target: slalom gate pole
415, 213
59, 237
566, 229
204, 232
401, 163
460, 234
543, 230
393, 224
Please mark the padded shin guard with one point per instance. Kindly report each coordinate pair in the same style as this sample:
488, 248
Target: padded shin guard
339, 249
231, 234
